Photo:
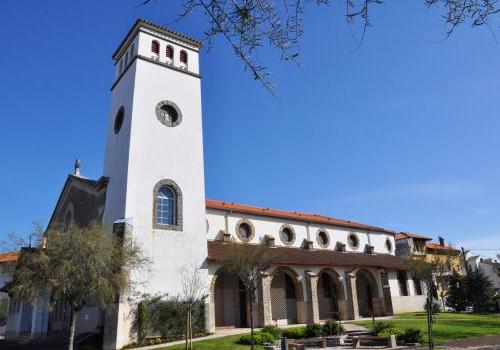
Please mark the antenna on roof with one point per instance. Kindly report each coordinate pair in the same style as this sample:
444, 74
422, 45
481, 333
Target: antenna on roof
77, 168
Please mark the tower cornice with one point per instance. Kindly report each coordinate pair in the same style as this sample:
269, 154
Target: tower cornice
150, 26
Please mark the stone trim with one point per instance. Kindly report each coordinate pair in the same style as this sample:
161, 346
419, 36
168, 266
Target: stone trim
286, 226
178, 206
252, 230
154, 27
269, 241
165, 65
324, 245
158, 112
354, 247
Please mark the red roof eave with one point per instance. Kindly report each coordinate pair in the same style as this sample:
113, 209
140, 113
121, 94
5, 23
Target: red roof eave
247, 209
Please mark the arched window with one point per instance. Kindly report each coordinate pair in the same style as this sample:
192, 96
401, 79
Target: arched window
167, 206
155, 47
170, 52
184, 57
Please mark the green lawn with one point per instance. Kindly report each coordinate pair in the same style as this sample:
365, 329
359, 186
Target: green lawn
225, 343
448, 326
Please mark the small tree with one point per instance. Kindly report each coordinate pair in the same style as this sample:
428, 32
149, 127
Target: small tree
427, 272
78, 266
245, 262
193, 291
480, 291
457, 292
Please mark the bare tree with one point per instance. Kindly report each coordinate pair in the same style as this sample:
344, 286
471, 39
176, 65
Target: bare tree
246, 261
14, 241
193, 290
247, 25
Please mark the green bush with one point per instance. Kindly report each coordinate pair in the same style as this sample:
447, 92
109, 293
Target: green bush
313, 330
275, 331
411, 335
332, 327
381, 326
166, 315
390, 331
294, 333
260, 338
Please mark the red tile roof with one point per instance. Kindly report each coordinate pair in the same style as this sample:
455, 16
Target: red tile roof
9, 257
437, 246
299, 256
401, 235
247, 209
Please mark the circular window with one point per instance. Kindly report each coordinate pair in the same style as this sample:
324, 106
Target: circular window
353, 241
244, 230
287, 234
168, 113
120, 115
388, 245
323, 239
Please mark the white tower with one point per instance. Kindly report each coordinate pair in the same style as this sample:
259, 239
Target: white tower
154, 155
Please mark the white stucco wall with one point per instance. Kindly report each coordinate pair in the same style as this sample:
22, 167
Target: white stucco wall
265, 225
146, 152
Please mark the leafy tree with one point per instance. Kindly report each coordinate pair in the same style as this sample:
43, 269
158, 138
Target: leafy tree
457, 297
248, 25
80, 265
480, 291
428, 272
245, 262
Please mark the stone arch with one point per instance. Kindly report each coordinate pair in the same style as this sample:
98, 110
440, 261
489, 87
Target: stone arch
367, 292
287, 297
229, 301
331, 296
172, 185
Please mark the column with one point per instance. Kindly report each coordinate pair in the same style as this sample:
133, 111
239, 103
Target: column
265, 308
312, 297
352, 310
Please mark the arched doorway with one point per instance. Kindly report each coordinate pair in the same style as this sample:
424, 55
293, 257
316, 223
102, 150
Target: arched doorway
366, 290
231, 302
286, 297
330, 296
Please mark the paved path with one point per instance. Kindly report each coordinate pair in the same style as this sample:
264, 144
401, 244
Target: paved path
235, 331
488, 342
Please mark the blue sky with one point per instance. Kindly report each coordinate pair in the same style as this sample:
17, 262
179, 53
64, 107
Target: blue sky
401, 133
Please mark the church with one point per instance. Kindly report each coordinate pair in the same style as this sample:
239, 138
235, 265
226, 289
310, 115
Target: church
153, 189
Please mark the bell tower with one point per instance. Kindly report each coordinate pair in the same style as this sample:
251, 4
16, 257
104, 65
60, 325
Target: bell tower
154, 155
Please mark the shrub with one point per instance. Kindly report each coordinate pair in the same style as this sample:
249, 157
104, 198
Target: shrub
332, 327
411, 335
390, 331
166, 316
381, 326
260, 338
313, 330
294, 333
275, 331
